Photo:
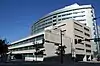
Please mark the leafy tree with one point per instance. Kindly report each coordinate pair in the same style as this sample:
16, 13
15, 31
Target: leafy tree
3, 46
3, 49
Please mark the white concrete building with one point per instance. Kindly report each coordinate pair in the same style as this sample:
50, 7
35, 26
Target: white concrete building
72, 30
80, 13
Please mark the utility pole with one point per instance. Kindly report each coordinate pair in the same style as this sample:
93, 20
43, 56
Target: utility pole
61, 47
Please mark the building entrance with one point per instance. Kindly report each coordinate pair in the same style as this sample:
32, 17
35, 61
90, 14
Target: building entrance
18, 56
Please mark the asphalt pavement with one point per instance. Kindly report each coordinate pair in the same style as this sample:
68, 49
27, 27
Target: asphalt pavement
49, 64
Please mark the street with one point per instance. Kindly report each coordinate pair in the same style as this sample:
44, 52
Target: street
49, 64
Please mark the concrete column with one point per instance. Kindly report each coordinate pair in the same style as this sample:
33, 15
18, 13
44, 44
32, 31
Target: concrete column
85, 58
89, 58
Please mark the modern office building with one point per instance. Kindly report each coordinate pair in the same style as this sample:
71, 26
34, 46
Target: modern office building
80, 13
26, 47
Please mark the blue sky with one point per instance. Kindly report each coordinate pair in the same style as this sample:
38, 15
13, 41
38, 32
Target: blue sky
17, 16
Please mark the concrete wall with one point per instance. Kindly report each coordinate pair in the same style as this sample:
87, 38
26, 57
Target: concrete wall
69, 26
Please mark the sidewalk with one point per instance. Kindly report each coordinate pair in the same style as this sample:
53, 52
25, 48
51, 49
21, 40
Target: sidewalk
90, 61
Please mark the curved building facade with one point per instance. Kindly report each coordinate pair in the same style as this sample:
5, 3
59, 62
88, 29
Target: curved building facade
81, 13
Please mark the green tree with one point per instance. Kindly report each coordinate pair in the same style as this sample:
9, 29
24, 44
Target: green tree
3, 49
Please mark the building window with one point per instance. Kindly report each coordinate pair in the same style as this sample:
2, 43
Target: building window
92, 15
86, 29
64, 18
77, 24
82, 43
88, 50
79, 36
78, 30
94, 33
79, 49
91, 11
76, 12
93, 24
68, 17
66, 14
87, 34
82, 20
59, 19
54, 23
54, 20
48, 19
78, 16
88, 41
69, 13
54, 16
87, 45
59, 15
82, 11
62, 25
49, 22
